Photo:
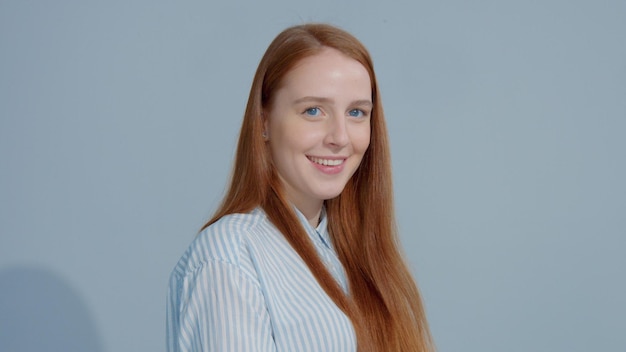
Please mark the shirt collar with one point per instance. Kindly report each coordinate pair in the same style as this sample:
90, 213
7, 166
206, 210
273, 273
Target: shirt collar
320, 233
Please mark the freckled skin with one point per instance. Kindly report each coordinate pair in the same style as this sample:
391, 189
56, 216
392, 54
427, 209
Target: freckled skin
321, 111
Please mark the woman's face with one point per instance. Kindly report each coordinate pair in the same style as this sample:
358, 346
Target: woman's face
318, 127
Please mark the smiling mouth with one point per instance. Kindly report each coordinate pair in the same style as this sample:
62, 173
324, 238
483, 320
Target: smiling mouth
326, 162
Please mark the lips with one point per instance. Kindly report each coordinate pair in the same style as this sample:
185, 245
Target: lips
327, 162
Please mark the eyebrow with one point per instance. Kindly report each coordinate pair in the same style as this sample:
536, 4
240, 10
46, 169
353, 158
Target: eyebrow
363, 102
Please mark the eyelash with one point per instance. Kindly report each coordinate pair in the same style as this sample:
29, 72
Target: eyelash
316, 111
307, 111
359, 111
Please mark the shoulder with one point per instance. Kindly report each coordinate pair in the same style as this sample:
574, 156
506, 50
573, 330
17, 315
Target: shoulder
224, 241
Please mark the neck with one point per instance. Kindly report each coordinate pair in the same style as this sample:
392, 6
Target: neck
311, 212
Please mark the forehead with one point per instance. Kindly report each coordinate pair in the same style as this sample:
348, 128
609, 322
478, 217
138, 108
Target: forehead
328, 72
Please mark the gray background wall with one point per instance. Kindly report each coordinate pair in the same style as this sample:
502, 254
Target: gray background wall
118, 121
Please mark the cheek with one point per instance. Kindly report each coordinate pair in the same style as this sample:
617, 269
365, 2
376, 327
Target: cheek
297, 137
361, 139
290, 141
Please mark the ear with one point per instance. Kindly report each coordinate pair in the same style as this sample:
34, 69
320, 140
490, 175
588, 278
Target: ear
264, 119
265, 125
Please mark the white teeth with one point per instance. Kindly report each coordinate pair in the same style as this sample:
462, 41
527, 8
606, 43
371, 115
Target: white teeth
326, 162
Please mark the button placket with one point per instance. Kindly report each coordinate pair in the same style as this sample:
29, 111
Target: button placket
331, 260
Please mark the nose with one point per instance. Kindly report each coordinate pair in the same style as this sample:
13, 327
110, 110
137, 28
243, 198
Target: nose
337, 132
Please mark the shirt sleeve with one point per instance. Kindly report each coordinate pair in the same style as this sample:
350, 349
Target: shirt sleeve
217, 307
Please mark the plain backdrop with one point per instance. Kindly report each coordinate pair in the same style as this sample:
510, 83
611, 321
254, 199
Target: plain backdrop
118, 122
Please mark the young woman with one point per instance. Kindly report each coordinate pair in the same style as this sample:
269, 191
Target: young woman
302, 255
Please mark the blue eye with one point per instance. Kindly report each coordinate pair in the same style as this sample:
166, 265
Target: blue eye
313, 111
356, 113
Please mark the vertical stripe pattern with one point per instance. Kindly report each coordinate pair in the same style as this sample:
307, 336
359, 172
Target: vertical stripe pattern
240, 286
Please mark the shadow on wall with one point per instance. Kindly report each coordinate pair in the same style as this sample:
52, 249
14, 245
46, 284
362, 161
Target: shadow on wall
40, 311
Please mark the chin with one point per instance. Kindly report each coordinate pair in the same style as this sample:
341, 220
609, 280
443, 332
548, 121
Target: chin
331, 194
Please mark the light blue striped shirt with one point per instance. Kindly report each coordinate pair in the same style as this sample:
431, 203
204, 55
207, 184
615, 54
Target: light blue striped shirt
240, 286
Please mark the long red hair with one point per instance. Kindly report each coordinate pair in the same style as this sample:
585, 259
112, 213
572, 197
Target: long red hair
384, 303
